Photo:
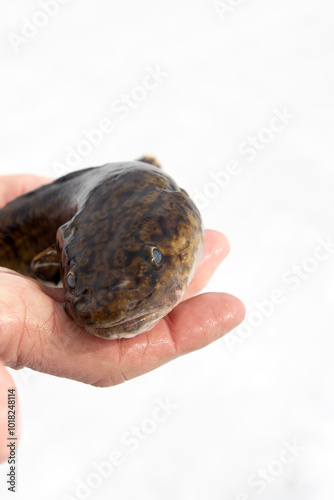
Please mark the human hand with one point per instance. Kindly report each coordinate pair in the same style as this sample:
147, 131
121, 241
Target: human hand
36, 332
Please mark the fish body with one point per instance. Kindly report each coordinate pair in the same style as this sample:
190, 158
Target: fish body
123, 238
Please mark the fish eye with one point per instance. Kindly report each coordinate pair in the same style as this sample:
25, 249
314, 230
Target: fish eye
154, 256
71, 280
157, 257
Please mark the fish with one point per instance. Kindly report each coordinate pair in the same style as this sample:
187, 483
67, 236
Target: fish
123, 239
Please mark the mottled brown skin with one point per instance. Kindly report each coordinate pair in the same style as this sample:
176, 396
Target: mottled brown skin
102, 225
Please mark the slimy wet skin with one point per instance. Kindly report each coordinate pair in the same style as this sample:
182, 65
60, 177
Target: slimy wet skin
123, 238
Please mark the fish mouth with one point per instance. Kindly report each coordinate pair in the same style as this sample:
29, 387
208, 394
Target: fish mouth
127, 328
133, 326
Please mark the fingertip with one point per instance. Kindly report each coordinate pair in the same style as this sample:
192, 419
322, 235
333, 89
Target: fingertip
205, 318
216, 248
227, 310
236, 308
216, 243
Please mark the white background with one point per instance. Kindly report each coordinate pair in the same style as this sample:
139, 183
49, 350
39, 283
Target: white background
236, 405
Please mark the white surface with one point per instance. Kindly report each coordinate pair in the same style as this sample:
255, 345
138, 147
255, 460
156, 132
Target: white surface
236, 407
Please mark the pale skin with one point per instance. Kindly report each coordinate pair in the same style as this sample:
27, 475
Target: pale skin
35, 331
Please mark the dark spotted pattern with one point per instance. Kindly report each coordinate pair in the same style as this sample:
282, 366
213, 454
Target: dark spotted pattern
109, 223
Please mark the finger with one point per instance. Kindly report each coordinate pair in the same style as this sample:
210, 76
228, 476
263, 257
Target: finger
216, 248
192, 325
12, 186
6, 382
